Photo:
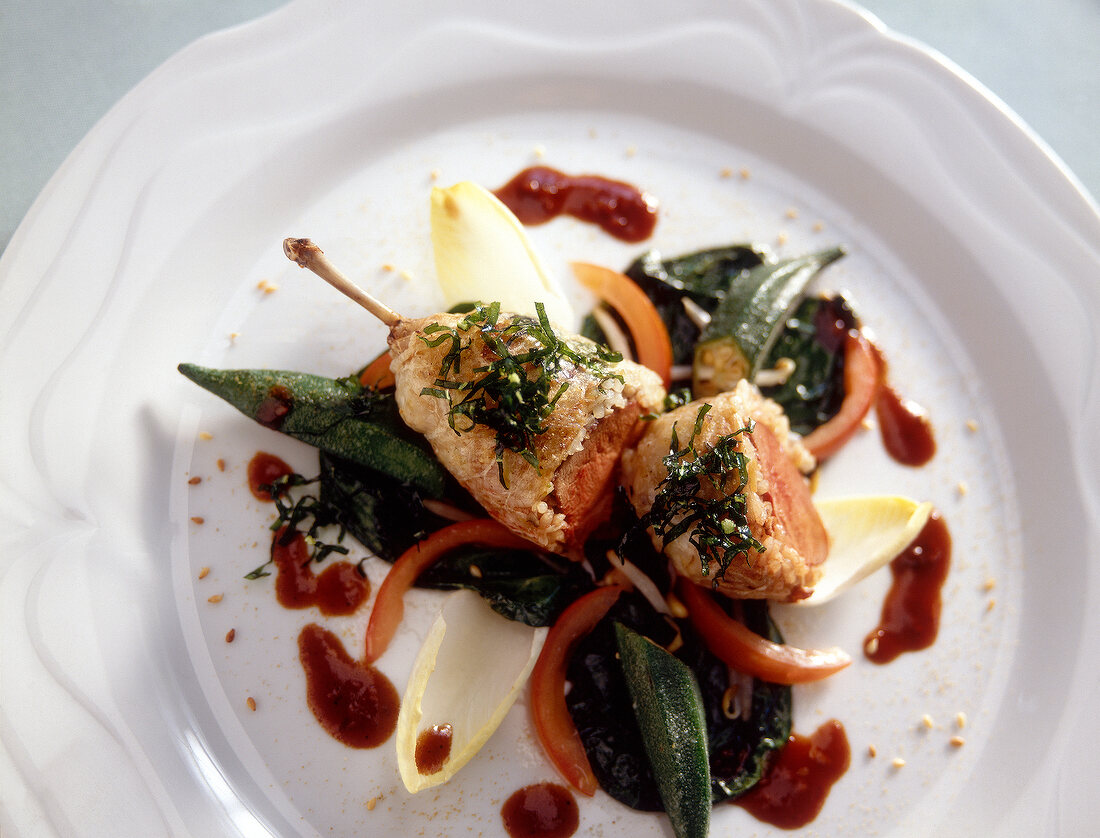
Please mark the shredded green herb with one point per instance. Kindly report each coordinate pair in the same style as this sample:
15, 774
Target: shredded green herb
515, 393
718, 527
300, 510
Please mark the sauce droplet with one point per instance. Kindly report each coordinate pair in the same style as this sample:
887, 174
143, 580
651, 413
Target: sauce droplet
263, 470
539, 193
274, 409
339, 589
911, 612
352, 700
792, 792
433, 748
544, 810
905, 427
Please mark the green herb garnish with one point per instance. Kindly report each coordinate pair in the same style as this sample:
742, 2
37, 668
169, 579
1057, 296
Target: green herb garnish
719, 526
300, 510
515, 393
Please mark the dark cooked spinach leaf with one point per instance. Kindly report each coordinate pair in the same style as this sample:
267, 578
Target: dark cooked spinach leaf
611, 737
520, 584
385, 515
703, 277
814, 339
739, 748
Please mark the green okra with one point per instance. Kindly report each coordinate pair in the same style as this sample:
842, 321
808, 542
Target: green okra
337, 416
670, 714
750, 318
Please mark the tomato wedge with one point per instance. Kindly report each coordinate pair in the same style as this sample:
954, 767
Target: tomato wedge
750, 653
861, 384
637, 311
377, 373
553, 724
389, 606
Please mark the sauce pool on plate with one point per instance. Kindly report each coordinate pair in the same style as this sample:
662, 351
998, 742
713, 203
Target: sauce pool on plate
911, 612
543, 810
539, 193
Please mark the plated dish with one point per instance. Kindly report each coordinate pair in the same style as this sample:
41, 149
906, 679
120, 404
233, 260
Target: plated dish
158, 292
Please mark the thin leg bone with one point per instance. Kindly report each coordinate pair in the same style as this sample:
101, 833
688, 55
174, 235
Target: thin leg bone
309, 255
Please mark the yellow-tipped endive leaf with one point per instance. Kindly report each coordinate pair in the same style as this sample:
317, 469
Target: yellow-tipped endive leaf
482, 254
864, 534
467, 675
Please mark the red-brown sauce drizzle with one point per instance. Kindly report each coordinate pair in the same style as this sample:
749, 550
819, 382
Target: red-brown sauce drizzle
544, 810
540, 193
339, 589
263, 470
904, 425
911, 613
274, 409
792, 792
433, 748
352, 700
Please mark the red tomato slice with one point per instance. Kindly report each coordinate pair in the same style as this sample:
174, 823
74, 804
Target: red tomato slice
637, 311
789, 493
389, 606
861, 383
377, 373
553, 724
750, 653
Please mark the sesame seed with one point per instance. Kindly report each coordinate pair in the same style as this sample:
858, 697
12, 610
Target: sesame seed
926, 720
204, 572
871, 646
791, 213
962, 488
205, 435
991, 604
957, 741
198, 519
898, 762
960, 720
475, 571
194, 481
745, 174
781, 239
371, 804
989, 585
230, 635
406, 275
872, 751
216, 598
972, 425
539, 150
818, 226
434, 174
388, 267
251, 702
726, 172
221, 465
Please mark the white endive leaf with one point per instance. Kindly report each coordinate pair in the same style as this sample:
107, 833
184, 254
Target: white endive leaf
865, 533
482, 254
471, 667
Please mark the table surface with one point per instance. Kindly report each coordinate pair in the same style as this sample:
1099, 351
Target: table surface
64, 64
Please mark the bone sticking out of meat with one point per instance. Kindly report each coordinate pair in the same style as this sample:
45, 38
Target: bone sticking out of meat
558, 491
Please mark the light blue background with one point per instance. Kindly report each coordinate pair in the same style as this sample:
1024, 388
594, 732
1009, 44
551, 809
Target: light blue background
64, 63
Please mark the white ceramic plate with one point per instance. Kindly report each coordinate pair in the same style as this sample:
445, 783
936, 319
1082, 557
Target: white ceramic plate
974, 257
